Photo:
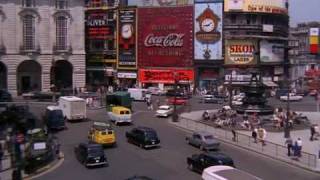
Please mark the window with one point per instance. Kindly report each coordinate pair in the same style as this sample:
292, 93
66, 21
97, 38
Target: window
61, 4
28, 3
233, 19
29, 32
61, 33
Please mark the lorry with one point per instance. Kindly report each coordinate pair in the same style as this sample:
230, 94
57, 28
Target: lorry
138, 94
53, 118
73, 108
118, 98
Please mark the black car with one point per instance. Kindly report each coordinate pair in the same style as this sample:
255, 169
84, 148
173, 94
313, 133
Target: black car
198, 162
91, 154
5, 96
144, 137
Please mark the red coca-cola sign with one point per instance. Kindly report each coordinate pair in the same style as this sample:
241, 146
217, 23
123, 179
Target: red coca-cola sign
165, 37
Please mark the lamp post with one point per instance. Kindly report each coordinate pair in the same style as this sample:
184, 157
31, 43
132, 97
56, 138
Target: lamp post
53, 86
175, 115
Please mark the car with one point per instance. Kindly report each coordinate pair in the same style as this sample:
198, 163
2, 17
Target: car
203, 140
198, 162
156, 91
37, 134
102, 133
237, 102
53, 118
209, 98
177, 101
239, 97
292, 97
91, 154
164, 111
144, 137
5, 96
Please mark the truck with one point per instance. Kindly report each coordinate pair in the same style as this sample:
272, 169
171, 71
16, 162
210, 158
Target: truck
118, 98
53, 118
73, 108
138, 94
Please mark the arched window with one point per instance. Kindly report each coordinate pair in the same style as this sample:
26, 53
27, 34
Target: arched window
29, 32
61, 33
61, 4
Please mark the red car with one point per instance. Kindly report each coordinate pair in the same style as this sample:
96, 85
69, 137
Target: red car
177, 101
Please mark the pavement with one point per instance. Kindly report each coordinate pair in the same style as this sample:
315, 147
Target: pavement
275, 147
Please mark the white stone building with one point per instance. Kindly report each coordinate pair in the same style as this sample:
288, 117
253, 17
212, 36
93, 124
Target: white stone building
41, 43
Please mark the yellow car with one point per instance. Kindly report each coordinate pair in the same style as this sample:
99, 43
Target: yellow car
102, 133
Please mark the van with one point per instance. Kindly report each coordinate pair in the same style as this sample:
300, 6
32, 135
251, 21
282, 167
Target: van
73, 108
53, 118
120, 114
138, 94
226, 173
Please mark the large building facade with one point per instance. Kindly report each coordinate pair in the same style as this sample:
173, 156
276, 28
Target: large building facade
42, 44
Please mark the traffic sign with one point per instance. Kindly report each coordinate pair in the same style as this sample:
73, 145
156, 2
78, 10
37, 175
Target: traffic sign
19, 138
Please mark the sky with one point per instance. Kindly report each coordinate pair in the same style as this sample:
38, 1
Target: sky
304, 10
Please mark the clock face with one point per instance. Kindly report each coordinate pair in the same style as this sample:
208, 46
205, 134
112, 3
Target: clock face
207, 25
126, 31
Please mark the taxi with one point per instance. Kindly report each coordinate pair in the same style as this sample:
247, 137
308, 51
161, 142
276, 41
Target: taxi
102, 133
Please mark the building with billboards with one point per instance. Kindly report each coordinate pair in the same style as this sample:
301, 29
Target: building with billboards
165, 46
259, 24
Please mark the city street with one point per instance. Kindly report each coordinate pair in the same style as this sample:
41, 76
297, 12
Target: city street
166, 162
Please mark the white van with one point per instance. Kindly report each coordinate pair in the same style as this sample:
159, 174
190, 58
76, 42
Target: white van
226, 173
138, 94
73, 108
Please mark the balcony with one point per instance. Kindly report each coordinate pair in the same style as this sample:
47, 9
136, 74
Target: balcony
30, 51
62, 49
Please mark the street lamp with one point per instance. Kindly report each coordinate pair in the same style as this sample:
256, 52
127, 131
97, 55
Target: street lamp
175, 115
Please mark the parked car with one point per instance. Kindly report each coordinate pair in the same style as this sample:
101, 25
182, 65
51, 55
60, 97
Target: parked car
102, 133
5, 96
177, 101
164, 111
53, 118
156, 91
292, 97
144, 137
91, 154
203, 140
198, 162
209, 98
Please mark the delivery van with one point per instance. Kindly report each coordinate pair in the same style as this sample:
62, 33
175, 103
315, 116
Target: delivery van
226, 173
138, 94
73, 108
53, 118
120, 114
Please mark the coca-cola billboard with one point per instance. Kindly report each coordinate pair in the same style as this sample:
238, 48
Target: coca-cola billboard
165, 37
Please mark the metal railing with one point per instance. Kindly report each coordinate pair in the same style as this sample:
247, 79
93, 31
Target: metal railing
273, 150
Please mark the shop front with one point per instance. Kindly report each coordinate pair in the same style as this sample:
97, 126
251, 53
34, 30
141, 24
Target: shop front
127, 79
166, 78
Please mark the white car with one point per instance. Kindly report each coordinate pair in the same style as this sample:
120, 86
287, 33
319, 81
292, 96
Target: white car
164, 111
292, 97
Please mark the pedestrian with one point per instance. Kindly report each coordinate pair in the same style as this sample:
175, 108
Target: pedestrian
289, 144
234, 135
299, 146
262, 134
312, 132
1, 155
254, 134
158, 102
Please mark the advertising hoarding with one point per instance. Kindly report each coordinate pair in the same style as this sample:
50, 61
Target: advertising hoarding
127, 37
97, 25
271, 52
208, 31
314, 31
142, 3
165, 37
259, 6
166, 76
240, 52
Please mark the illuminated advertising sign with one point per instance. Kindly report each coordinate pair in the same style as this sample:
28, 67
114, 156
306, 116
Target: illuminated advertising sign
166, 76
208, 31
314, 40
240, 52
271, 52
127, 39
165, 37
260, 6
144, 3
97, 25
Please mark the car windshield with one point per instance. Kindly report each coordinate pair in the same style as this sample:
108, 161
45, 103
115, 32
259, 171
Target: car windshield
95, 150
56, 114
151, 135
208, 137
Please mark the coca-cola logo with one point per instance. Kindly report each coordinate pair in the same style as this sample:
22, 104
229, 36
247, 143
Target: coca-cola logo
170, 40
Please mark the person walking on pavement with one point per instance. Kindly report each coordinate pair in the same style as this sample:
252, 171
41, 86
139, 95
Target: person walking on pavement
299, 146
312, 132
234, 135
289, 144
254, 135
262, 133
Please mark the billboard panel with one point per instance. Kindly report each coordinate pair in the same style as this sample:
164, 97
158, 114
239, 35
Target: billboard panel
314, 31
127, 36
165, 37
208, 31
98, 26
271, 52
166, 76
260, 6
240, 52
142, 3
